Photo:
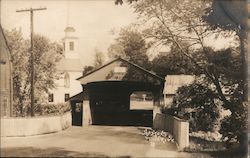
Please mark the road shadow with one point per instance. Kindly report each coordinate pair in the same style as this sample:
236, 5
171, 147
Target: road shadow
48, 152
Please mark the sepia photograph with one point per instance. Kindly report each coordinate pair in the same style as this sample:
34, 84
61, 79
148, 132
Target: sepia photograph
124, 78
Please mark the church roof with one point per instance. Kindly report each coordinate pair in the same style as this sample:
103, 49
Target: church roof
70, 65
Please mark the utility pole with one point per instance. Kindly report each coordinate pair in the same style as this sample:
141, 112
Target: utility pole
31, 10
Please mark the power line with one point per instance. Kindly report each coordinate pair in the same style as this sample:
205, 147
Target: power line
32, 92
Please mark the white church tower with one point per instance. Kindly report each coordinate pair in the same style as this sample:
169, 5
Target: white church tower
70, 44
70, 68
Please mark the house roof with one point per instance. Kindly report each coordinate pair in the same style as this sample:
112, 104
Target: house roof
173, 82
126, 61
3, 45
70, 65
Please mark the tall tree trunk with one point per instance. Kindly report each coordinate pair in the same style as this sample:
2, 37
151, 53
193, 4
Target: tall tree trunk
242, 36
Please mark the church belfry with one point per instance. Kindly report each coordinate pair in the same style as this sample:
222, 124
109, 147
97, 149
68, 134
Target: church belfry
70, 69
70, 44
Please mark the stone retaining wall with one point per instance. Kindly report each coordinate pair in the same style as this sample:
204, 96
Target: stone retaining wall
177, 127
13, 127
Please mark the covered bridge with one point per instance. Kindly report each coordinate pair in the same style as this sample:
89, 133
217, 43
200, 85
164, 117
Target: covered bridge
109, 92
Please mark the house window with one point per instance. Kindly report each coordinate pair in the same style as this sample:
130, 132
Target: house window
51, 97
71, 46
66, 80
66, 96
5, 102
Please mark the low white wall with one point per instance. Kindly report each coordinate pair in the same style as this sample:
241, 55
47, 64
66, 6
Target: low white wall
11, 127
177, 127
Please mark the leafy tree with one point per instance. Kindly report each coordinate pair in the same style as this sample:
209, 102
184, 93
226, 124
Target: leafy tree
227, 64
177, 22
233, 16
173, 62
180, 24
87, 69
132, 46
200, 18
18, 48
203, 97
99, 58
46, 56
196, 103
174, 22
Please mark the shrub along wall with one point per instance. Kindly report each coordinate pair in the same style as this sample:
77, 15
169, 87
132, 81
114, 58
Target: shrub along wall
45, 109
52, 109
26, 126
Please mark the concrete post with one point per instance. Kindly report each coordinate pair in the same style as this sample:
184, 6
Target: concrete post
87, 118
156, 108
183, 135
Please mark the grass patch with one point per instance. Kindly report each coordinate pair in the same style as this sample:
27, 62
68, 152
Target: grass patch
199, 144
217, 149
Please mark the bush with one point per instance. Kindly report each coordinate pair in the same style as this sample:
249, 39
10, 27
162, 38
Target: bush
202, 107
196, 103
234, 127
52, 109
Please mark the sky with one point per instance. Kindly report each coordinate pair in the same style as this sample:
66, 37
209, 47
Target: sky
93, 21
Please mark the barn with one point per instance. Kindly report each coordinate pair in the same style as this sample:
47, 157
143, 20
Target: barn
6, 88
118, 93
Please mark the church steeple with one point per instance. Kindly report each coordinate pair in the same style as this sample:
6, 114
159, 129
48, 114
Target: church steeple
70, 44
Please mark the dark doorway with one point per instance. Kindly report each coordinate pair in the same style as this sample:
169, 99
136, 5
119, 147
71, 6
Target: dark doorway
77, 113
110, 103
113, 109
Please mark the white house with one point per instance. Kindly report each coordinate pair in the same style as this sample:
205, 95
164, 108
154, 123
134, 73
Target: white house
70, 68
172, 83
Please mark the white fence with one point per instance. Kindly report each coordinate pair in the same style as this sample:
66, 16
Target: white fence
12, 127
177, 127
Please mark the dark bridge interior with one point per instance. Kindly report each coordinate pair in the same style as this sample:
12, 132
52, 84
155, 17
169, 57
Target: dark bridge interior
110, 103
